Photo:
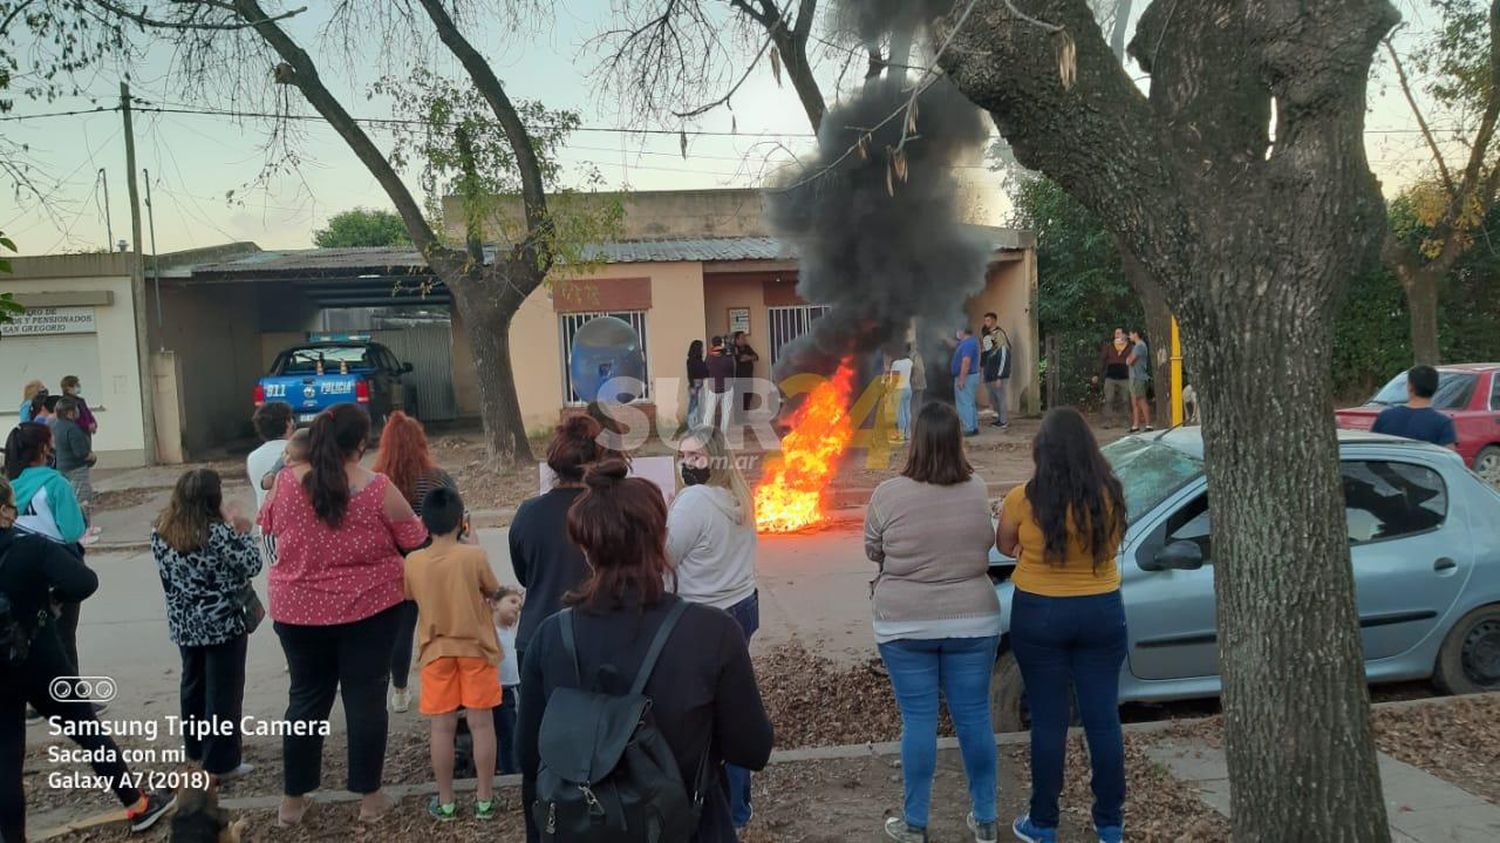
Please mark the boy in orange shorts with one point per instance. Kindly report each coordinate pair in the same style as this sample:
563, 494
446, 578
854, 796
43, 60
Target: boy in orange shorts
451, 581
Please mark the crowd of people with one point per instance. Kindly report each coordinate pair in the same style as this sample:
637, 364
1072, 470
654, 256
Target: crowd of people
712, 377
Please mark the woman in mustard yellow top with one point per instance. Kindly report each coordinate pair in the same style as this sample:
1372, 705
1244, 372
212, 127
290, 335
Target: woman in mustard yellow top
1067, 624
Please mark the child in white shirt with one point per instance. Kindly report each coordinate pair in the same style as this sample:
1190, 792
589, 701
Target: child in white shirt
507, 611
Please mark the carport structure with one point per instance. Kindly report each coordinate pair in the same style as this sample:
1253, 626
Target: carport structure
216, 326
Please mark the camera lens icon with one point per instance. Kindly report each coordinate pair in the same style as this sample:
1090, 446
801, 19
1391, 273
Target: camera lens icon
90, 689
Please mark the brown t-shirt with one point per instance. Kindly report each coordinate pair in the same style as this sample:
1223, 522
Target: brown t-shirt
449, 584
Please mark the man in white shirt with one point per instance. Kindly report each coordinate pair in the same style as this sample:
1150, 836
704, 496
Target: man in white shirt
273, 423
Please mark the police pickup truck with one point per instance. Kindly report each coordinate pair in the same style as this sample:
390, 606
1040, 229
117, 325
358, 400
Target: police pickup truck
335, 369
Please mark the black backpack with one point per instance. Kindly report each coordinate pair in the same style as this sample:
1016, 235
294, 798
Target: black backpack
607, 773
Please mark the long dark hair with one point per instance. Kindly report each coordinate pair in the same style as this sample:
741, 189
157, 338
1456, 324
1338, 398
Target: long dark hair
196, 504
937, 448
24, 445
695, 350
338, 435
620, 523
1074, 491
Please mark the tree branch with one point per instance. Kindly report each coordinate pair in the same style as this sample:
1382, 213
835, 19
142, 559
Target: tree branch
14, 13
304, 75
152, 23
536, 248
1416, 110
750, 68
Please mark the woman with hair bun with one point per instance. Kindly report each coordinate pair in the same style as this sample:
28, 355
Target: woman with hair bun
547, 563
702, 688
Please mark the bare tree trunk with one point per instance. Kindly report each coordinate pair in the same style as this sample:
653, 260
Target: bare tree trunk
1422, 306
487, 319
1280, 548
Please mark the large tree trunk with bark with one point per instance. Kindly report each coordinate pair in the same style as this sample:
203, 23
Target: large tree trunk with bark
487, 313
1297, 727
1253, 245
1422, 307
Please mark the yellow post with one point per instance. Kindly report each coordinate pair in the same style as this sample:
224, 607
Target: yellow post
1177, 411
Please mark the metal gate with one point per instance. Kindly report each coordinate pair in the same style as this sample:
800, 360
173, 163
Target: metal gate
429, 350
789, 323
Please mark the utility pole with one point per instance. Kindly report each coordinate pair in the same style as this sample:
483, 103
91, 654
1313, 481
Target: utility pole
138, 288
155, 260
109, 223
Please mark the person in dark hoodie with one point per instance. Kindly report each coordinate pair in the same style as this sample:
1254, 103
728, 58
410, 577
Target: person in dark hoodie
547, 563
35, 573
75, 452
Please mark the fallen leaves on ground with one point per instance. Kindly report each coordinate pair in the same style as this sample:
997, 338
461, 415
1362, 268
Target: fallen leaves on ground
1456, 740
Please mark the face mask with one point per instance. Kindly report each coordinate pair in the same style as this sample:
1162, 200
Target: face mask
694, 476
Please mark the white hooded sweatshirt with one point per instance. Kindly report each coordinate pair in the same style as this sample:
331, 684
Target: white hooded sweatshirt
713, 553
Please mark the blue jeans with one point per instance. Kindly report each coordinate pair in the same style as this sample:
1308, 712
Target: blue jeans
960, 667
737, 779
967, 399
1058, 640
996, 391
903, 412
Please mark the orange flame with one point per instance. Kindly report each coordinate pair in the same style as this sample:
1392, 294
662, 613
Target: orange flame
790, 495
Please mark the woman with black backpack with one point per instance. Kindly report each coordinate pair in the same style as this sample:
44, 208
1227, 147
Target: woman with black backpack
35, 573
626, 636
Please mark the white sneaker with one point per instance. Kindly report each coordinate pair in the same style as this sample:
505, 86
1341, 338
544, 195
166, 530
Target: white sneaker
236, 774
400, 700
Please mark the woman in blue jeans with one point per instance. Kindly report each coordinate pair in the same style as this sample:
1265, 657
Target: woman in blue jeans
711, 548
1067, 625
937, 620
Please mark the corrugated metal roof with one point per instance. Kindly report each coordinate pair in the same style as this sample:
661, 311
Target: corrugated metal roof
407, 261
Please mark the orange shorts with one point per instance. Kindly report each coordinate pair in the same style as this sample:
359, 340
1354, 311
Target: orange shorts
455, 682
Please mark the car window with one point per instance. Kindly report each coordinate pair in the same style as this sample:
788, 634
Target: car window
305, 360
1455, 389
1191, 524
1387, 500
1150, 472
1495, 392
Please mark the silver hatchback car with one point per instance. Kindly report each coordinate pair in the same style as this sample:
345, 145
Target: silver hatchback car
1425, 536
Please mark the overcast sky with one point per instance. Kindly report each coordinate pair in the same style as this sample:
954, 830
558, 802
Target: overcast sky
195, 161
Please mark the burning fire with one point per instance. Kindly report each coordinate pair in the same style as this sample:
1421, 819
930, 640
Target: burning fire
790, 495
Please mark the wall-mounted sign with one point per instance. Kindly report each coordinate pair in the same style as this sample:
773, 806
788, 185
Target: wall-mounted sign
739, 320
41, 321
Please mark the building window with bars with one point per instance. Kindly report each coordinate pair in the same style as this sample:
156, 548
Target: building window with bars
789, 323
571, 322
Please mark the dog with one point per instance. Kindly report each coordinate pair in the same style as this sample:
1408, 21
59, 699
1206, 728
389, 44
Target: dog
199, 819
1190, 406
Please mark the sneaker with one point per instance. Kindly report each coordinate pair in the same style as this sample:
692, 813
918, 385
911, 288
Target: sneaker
1031, 833
1148, 428
897, 829
1110, 834
236, 774
484, 810
155, 806
442, 812
983, 832
400, 700
1134, 430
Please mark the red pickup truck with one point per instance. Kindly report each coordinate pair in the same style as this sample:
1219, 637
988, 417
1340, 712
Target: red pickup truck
1467, 392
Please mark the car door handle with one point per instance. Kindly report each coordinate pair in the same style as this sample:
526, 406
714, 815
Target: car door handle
1444, 564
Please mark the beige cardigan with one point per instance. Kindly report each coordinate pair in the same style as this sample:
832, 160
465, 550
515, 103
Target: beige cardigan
933, 544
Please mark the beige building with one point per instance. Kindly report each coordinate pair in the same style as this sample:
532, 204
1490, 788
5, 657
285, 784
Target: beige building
686, 266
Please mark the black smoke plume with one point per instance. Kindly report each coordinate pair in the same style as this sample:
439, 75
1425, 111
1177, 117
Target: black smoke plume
882, 249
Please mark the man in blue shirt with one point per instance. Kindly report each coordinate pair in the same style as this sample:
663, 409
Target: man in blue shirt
1417, 420
966, 375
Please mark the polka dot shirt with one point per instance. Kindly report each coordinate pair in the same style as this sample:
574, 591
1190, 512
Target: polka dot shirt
325, 576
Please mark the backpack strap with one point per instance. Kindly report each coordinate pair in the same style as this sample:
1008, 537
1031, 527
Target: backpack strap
565, 621
657, 643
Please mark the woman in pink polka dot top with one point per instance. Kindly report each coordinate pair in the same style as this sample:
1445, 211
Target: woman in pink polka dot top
335, 593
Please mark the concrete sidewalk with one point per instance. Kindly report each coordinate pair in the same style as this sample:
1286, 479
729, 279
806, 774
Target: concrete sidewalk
1420, 807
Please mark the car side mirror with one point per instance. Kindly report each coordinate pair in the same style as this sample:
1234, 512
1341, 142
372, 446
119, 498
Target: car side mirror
405, 368
1178, 556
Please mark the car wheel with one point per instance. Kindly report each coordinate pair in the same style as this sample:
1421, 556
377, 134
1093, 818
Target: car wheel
1007, 695
1487, 465
1469, 662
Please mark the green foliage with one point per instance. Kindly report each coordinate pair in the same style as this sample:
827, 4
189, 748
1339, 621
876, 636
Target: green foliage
460, 150
1454, 55
362, 227
1082, 292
